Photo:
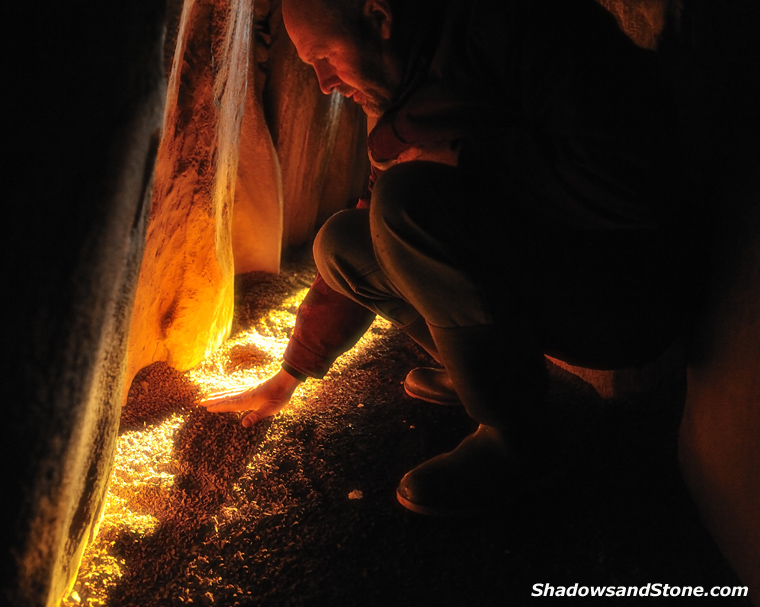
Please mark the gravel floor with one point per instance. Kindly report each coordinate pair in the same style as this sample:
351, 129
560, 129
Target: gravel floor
302, 510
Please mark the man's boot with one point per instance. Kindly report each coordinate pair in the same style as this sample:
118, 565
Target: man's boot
472, 479
500, 385
433, 385
430, 384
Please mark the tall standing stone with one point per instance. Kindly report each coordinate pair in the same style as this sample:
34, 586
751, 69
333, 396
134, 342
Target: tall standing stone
184, 301
320, 140
82, 131
257, 220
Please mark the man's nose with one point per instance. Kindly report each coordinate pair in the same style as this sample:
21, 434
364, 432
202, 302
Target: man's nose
327, 77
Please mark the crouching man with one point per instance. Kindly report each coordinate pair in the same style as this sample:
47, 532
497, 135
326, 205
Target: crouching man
525, 199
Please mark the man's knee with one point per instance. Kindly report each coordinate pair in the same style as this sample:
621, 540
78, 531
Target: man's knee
327, 242
391, 194
343, 246
405, 196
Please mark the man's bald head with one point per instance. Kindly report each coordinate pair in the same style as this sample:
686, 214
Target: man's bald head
347, 42
341, 13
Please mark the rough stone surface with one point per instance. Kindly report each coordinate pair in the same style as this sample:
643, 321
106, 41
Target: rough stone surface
320, 140
257, 220
720, 434
718, 92
83, 134
641, 20
668, 372
184, 301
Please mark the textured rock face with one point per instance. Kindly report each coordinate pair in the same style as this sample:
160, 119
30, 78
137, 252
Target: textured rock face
720, 434
257, 218
718, 95
302, 154
641, 20
253, 157
184, 301
84, 132
320, 140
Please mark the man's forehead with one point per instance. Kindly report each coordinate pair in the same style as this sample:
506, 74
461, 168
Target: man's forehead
308, 27
291, 8
306, 15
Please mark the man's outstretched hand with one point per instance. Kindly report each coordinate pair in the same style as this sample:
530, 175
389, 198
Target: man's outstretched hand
262, 401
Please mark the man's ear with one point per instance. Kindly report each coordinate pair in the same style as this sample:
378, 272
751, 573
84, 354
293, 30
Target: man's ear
380, 16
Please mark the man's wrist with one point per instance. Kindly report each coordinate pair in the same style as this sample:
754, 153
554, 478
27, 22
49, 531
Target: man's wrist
293, 372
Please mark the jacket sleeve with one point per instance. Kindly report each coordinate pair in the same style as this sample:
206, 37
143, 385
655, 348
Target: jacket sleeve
327, 324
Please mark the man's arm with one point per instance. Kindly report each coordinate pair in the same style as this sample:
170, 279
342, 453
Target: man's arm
262, 401
327, 325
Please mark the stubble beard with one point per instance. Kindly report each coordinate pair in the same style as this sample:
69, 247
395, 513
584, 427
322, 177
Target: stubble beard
372, 105
379, 93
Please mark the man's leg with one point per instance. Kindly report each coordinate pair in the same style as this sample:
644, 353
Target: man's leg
346, 260
437, 253
496, 294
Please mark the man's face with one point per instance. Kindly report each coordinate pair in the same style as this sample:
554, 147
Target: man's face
351, 63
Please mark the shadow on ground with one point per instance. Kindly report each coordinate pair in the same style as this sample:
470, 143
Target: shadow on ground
302, 511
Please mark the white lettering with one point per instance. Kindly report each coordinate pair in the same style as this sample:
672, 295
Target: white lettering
653, 590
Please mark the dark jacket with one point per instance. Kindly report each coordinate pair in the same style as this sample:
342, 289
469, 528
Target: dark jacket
548, 102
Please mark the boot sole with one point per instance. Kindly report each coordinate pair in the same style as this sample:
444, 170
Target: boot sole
427, 399
536, 487
445, 512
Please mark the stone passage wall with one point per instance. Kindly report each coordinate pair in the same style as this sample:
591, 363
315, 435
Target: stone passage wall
711, 58
82, 129
720, 434
253, 157
183, 307
320, 140
642, 20
303, 154
258, 211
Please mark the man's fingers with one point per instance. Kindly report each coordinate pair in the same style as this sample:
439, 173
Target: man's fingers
224, 393
222, 404
265, 410
261, 401
252, 418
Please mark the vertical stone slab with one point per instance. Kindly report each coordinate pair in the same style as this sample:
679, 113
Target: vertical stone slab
84, 134
346, 174
257, 219
641, 20
720, 432
319, 140
184, 300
